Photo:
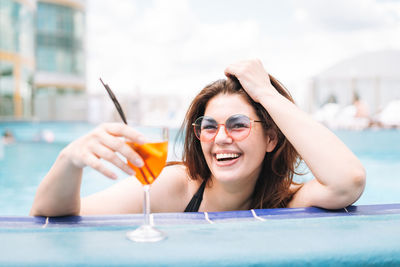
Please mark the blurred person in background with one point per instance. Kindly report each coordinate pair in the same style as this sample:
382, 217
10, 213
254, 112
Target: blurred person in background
8, 137
362, 110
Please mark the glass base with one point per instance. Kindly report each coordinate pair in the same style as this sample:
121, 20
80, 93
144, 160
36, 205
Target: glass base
146, 233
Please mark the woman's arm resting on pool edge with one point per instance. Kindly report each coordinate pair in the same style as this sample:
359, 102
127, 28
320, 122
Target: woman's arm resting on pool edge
340, 176
59, 192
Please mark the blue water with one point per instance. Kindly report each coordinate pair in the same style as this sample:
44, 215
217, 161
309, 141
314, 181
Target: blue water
25, 162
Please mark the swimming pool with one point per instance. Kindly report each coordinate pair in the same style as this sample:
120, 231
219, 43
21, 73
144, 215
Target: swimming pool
25, 163
359, 236
356, 236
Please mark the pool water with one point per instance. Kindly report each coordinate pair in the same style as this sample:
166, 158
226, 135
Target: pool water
24, 163
359, 236
379, 151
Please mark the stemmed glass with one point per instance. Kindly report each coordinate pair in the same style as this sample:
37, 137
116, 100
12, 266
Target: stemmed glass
154, 154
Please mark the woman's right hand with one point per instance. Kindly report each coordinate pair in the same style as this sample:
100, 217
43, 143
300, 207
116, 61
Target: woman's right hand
103, 143
253, 77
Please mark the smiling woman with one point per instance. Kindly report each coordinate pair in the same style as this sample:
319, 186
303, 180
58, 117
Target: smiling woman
250, 151
249, 164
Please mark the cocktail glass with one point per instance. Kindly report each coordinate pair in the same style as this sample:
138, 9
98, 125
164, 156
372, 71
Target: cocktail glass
154, 154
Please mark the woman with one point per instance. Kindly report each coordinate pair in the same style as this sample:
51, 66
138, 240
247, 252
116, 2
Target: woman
240, 151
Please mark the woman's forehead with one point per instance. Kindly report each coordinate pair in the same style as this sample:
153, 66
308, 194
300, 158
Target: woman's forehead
223, 106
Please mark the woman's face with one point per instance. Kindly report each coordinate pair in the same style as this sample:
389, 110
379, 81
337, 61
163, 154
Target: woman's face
231, 160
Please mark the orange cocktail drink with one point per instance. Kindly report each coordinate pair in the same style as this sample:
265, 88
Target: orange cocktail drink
154, 156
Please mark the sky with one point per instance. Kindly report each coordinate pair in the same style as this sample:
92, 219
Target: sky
179, 46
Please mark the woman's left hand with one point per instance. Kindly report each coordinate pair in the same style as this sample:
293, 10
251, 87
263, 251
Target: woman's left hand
253, 78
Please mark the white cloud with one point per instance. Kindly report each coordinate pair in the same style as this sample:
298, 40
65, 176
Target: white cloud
165, 47
349, 15
300, 14
167, 22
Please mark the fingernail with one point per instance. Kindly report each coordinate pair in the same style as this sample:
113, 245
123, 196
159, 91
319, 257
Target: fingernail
114, 176
141, 139
139, 163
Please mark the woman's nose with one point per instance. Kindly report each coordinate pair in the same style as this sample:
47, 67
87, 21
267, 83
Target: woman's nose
222, 136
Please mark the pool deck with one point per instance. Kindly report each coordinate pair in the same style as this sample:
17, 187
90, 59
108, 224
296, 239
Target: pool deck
355, 236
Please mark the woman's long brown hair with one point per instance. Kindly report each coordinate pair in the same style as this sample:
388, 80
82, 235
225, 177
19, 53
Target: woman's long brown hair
276, 176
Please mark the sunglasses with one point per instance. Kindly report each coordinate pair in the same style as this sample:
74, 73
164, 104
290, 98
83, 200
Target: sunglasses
236, 127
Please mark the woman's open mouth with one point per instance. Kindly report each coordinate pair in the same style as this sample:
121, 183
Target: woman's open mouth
226, 159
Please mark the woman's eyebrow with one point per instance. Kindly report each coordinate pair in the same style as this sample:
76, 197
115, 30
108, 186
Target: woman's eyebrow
208, 118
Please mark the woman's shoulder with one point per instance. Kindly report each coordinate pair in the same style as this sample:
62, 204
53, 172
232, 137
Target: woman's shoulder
294, 187
170, 192
177, 176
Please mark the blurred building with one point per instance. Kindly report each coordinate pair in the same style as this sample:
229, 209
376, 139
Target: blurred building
17, 59
60, 84
373, 78
140, 108
42, 60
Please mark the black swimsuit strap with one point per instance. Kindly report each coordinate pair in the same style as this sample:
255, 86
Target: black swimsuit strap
195, 202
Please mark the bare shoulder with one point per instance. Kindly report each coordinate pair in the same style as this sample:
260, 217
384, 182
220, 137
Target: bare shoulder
170, 190
299, 199
294, 187
173, 177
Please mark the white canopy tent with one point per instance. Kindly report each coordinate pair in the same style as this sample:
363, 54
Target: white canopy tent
373, 76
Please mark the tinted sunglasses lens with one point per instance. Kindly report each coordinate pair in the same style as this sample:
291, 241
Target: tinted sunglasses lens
205, 128
238, 126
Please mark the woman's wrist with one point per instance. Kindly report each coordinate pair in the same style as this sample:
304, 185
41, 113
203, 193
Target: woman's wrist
66, 159
269, 95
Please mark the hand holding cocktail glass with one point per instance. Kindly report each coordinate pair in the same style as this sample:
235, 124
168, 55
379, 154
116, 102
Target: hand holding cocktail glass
154, 154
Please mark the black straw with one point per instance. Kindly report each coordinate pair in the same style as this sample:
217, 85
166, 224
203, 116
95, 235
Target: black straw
115, 101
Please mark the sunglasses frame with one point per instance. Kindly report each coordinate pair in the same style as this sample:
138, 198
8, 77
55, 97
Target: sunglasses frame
226, 131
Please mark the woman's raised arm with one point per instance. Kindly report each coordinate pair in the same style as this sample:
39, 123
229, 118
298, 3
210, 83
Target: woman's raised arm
340, 176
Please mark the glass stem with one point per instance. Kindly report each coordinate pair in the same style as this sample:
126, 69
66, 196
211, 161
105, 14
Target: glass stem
146, 204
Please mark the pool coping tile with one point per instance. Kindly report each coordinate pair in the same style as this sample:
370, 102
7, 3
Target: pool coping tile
21, 221
124, 220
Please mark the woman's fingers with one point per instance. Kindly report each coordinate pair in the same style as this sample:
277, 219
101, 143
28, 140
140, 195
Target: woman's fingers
95, 163
119, 129
233, 70
107, 154
253, 78
104, 143
119, 145
246, 67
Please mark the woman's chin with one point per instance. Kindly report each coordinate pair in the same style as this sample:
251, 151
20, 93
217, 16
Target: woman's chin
234, 173
227, 176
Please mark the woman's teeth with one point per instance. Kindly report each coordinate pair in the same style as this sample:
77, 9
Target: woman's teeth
226, 156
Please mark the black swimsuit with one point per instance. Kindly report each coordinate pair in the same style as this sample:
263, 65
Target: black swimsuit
195, 202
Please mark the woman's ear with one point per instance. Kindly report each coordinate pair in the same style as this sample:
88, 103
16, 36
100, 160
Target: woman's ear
271, 143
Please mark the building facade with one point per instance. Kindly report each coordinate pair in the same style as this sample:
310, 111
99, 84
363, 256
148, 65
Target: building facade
17, 58
60, 60
42, 60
